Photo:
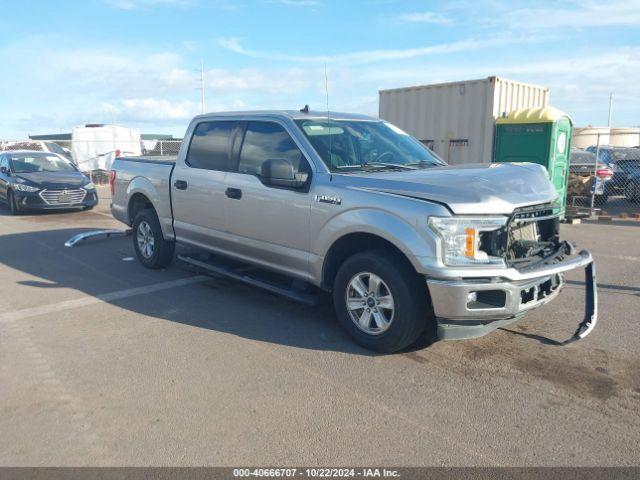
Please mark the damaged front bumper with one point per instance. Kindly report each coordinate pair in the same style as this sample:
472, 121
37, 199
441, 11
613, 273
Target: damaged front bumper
470, 307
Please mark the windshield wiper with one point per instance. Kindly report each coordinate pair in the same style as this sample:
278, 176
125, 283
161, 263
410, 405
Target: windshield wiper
374, 167
422, 164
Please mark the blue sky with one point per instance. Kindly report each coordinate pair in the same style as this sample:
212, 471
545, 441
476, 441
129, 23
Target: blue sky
136, 62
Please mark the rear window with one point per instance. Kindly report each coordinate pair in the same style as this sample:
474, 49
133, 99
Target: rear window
211, 146
582, 157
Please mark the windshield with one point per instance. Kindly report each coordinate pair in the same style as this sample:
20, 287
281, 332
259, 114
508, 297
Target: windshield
356, 145
34, 162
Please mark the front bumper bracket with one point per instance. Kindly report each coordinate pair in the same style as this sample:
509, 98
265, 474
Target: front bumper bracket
590, 306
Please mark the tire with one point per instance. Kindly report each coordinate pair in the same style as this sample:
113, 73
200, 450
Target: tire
14, 209
401, 326
152, 250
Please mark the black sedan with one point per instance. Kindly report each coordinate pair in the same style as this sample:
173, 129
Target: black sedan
32, 180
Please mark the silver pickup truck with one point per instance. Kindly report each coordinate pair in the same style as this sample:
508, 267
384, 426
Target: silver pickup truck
303, 202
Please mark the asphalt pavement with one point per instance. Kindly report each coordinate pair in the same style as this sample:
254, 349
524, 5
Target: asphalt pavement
103, 362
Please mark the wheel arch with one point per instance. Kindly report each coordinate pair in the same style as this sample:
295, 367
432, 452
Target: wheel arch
350, 244
142, 193
137, 202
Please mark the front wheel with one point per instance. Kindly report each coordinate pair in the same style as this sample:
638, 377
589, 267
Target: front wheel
151, 248
381, 301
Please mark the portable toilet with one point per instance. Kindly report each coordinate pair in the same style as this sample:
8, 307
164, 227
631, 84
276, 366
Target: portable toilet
537, 135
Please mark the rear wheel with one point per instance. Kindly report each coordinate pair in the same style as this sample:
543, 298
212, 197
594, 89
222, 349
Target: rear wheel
151, 248
381, 301
13, 204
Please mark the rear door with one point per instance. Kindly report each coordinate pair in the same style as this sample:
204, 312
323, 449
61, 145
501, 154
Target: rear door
270, 225
198, 185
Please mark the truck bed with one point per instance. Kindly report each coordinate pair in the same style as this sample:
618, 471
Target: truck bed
148, 176
151, 159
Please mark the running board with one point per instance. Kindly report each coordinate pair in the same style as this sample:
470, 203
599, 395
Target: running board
251, 276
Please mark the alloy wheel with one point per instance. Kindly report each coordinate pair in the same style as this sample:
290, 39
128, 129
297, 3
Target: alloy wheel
370, 303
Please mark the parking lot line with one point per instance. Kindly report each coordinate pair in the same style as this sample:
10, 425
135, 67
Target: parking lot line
91, 300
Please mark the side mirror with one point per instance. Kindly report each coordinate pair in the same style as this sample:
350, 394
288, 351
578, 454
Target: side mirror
279, 172
5, 171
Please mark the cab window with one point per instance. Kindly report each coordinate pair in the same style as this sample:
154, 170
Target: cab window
265, 141
210, 146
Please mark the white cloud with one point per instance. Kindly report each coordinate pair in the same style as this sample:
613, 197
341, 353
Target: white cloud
371, 56
578, 15
426, 17
147, 4
154, 110
296, 3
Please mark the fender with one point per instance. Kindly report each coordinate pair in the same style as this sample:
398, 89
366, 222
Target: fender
416, 244
145, 187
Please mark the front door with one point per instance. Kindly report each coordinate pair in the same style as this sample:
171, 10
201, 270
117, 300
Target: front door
198, 185
270, 225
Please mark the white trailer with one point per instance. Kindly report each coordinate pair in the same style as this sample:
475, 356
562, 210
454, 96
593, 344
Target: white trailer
95, 146
457, 120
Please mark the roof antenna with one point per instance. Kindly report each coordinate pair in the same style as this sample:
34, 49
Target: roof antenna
326, 89
305, 109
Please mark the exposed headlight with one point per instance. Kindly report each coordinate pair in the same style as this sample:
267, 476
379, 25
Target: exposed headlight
25, 188
89, 186
461, 237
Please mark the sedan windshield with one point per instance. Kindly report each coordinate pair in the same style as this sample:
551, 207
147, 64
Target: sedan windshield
357, 145
40, 162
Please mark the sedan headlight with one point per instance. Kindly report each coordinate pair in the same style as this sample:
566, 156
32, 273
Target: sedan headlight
89, 186
25, 188
461, 239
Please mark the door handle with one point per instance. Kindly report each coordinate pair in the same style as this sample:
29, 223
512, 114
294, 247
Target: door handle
234, 193
181, 184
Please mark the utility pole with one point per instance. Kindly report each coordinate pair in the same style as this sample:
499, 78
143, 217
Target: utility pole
202, 87
610, 108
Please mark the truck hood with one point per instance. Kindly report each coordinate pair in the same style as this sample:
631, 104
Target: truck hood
496, 188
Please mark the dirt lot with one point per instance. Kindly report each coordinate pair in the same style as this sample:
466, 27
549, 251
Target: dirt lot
105, 363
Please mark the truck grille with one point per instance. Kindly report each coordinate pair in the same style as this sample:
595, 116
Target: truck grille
530, 235
71, 196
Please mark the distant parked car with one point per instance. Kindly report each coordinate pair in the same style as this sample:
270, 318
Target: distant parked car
632, 191
37, 145
32, 180
582, 162
582, 171
623, 161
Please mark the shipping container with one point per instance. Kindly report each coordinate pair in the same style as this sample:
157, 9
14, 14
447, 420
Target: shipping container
456, 120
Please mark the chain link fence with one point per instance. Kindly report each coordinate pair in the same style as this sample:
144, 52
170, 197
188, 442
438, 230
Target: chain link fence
604, 175
95, 157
